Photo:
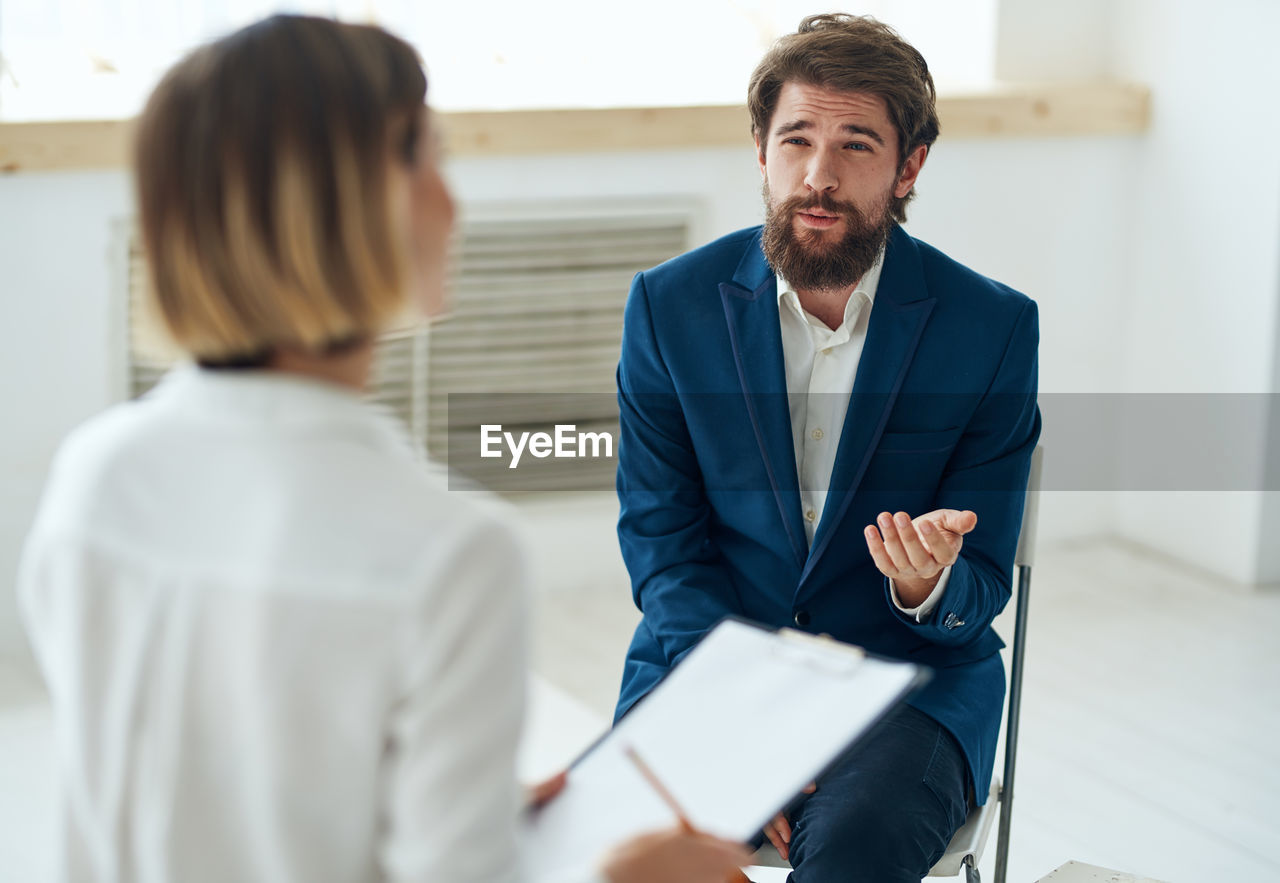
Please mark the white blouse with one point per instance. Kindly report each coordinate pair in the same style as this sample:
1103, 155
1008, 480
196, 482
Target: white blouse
277, 648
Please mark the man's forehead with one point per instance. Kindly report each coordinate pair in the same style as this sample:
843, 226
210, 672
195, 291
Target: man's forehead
797, 100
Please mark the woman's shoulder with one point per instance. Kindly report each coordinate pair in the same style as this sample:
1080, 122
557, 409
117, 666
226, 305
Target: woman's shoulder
99, 449
334, 506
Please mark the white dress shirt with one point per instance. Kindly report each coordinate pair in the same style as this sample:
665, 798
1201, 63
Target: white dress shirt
277, 649
821, 364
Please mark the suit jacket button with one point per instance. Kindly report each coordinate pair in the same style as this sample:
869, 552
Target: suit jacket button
802, 617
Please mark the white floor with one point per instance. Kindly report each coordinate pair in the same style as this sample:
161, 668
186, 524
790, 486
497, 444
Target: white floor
1151, 718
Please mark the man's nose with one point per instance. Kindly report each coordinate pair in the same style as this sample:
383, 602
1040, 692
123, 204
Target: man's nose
820, 176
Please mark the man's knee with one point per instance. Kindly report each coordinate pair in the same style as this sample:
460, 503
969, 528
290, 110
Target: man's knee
877, 842
887, 815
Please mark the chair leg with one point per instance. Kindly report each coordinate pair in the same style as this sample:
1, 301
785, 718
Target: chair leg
1002, 848
971, 874
1011, 733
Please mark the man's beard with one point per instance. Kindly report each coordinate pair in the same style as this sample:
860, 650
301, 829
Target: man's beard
806, 259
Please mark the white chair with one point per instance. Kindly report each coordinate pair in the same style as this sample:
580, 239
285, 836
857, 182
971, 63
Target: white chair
967, 845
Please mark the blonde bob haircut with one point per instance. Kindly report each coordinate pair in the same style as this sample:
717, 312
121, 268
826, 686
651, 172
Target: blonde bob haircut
261, 165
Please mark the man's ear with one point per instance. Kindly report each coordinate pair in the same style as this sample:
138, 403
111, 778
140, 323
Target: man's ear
759, 155
910, 171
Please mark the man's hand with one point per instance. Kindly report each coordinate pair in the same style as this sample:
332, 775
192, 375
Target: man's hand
779, 830
913, 553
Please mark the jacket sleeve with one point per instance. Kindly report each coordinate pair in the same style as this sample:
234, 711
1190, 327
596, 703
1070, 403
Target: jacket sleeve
987, 473
677, 579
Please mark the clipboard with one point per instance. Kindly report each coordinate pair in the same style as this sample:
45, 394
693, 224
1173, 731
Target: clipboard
735, 732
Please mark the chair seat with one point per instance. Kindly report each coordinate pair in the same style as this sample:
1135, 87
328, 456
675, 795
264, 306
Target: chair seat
971, 839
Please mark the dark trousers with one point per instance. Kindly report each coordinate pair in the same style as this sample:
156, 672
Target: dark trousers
886, 812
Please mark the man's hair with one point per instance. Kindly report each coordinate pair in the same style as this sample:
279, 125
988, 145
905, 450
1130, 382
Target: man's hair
850, 53
261, 166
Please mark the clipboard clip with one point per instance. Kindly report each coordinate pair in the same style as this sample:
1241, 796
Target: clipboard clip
822, 652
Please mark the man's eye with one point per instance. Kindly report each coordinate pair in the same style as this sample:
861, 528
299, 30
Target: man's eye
857, 145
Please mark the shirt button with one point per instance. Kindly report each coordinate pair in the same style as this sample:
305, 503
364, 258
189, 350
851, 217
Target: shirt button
810, 516
816, 435
802, 618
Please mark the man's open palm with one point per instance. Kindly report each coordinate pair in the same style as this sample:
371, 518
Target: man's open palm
913, 552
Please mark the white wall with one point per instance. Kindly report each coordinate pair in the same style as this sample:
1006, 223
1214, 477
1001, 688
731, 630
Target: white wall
1203, 305
56, 307
1269, 523
1199, 310
1045, 40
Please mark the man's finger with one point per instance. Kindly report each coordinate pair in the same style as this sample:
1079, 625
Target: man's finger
918, 555
774, 833
878, 554
958, 521
892, 544
945, 545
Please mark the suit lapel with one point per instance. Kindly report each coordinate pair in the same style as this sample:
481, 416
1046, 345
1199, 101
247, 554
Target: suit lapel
750, 302
902, 306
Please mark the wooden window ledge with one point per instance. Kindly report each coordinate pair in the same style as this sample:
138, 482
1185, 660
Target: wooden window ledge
1003, 111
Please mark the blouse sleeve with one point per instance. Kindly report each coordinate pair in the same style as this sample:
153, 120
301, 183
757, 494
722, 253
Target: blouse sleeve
450, 790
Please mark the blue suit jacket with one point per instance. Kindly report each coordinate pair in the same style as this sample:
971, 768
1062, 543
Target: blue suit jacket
942, 414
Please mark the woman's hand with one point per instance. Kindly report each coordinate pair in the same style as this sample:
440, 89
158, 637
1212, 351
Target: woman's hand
539, 795
675, 855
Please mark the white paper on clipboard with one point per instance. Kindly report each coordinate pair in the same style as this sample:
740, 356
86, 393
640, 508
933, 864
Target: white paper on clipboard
738, 728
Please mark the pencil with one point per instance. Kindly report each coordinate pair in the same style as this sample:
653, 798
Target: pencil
656, 784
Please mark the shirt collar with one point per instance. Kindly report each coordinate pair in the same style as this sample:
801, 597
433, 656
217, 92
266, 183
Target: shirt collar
866, 286
272, 398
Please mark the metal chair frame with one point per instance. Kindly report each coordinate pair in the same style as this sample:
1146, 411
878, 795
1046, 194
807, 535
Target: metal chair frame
968, 843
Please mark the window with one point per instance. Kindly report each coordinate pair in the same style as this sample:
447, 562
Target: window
86, 59
532, 339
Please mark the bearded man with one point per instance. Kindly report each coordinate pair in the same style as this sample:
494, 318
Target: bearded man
828, 425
